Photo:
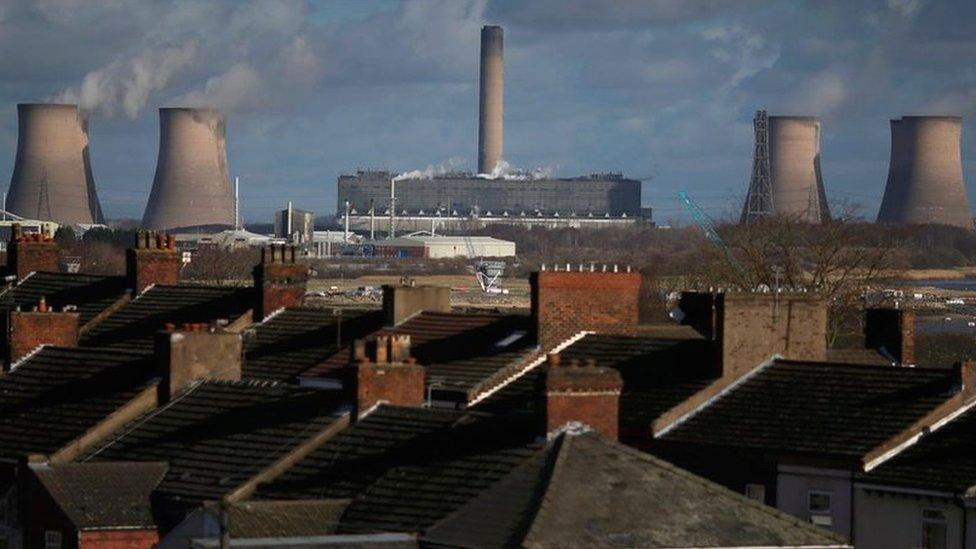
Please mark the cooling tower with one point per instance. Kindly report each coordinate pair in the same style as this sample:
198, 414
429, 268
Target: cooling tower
794, 168
490, 123
925, 183
52, 177
192, 185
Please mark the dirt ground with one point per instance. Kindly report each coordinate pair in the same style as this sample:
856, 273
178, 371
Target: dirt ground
465, 291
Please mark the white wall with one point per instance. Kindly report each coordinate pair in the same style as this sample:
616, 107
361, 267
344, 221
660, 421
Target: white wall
887, 519
794, 484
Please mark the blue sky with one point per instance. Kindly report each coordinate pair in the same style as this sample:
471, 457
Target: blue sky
662, 91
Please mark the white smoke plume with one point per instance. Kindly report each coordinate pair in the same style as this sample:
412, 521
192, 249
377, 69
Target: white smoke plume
504, 170
127, 84
240, 88
451, 165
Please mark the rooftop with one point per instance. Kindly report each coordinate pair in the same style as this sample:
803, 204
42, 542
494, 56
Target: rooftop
134, 325
97, 496
58, 393
816, 408
586, 490
658, 373
296, 340
217, 435
91, 294
407, 468
943, 460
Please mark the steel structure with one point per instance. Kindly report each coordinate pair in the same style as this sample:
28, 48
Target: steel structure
925, 179
786, 177
192, 185
52, 178
491, 105
759, 200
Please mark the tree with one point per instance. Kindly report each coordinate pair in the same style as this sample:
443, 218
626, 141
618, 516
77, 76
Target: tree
840, 259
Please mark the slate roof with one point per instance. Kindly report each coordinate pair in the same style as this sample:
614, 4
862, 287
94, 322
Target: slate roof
407, 468
459, 350
102, 495
585, 490
58, 393
817, 408
91, 294
295, 340
943, 460
657, 373
134, 325
217, 435
276, 519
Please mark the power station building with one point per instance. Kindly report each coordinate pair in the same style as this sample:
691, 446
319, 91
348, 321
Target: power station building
461, 201
925, 181
191, 188
786, 177
52, 178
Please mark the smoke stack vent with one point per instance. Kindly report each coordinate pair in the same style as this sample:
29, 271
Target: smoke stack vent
279, 280
925, 182
42, 326
52, 178
582, 393
153, 260
491, 121
28, 253
384, 371
196, 351
192, 185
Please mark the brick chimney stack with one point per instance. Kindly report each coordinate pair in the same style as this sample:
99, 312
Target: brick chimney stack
566, 302
403, 301
28, 253
196, 351
279, 280
384, 371
153, 260
893, 330
583, 393
749, 327
41, 326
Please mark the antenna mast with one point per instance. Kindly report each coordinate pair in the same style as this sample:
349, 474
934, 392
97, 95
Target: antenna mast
759, 200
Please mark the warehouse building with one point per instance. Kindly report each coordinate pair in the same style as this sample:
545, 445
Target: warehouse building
440, 247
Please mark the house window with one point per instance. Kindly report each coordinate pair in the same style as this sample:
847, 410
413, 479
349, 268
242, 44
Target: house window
818, 504
934, 529
52, 539
756, 492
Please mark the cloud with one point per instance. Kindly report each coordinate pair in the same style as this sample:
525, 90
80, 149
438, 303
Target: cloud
127, 84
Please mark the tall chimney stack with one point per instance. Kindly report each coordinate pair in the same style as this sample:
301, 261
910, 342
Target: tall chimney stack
192, 185
490, 126
52, 177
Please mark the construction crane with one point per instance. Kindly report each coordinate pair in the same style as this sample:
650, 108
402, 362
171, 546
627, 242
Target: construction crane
706, 225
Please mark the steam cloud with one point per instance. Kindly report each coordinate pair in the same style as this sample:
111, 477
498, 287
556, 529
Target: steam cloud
127, 84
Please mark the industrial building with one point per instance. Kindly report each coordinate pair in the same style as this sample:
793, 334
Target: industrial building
925, 182
786, 177
440, 247
52, 178
192, 186
465, 201
294, 224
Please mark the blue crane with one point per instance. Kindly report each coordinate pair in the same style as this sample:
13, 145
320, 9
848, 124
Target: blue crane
706, 225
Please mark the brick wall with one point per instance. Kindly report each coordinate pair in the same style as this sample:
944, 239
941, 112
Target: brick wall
402, 302
585, 393
755, 326
384, 371
893, 329
747, 328
28, 330
27, 253
197, 351
118, 539
279, 280
154, 260
567, 302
